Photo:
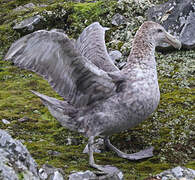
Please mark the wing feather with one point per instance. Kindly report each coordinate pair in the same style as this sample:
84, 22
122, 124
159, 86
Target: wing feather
54, 56
91, 44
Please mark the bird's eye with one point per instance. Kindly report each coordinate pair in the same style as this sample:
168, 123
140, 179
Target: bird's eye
159, 30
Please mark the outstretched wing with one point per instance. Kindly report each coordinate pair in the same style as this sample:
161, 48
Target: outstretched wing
54, 56
91, 44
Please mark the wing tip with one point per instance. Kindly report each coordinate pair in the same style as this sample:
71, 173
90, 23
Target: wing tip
98, 24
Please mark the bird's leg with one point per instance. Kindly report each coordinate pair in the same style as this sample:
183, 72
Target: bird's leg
107, 169
146, 153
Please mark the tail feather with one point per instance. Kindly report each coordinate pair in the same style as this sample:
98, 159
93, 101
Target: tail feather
61, 110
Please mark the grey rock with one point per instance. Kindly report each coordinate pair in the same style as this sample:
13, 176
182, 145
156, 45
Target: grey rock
29, 6
87, 175
24, 119
57, 176
48, 172
29, 25
42, 5
16, 161
97, 146
82, 175
177, 173
20, 8
53, 153
26, 7
178, 17
118, 19
115, 55
5, 121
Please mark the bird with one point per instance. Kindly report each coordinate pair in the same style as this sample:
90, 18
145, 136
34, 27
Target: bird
99, 99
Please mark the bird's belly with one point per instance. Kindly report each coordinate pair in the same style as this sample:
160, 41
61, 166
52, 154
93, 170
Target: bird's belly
130, 113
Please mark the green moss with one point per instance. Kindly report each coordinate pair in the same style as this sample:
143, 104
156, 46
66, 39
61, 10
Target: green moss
20, 176
86, 13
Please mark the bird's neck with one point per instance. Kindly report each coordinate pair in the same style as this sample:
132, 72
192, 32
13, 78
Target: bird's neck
142, 54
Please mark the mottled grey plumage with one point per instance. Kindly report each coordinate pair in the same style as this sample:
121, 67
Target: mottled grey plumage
99, 99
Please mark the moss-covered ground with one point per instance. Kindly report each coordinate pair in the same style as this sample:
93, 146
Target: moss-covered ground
170, 129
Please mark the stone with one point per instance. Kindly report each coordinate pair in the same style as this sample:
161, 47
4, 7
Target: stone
15, 161
82, 175
29, 25
42, 5
20, 8
29, 6
26, 7
87, 175
5, 121
24, 119
118, 19
53, 153
176, 16
177, 173
48, 172
115, 55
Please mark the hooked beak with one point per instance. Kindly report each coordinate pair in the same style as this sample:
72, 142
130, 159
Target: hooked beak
172, 41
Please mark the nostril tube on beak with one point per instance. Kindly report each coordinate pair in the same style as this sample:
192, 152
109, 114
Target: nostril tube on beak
173, 41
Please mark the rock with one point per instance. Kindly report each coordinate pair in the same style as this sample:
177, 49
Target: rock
29, 6
177, 173
24, 119
26, 7
87, 175
48, 172
20, 8
16, 162
29, 25
82, 175
42, 5
5, 121
53, 153
176, 16
115, 55
118, 19
97, 147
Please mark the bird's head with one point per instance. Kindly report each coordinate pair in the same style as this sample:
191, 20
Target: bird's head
156, 34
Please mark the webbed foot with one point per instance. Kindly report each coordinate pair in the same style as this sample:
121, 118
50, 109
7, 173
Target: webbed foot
146, 153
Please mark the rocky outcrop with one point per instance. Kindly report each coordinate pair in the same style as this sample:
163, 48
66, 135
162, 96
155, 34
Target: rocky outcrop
26, 7
176, 16
177, 173
90, 175
16, 162
118, 19
29, 25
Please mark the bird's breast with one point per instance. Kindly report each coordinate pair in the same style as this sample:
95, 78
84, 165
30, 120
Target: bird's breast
141, 97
